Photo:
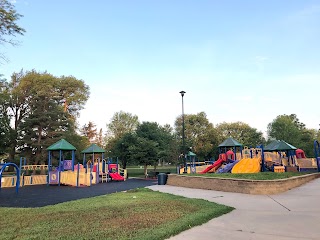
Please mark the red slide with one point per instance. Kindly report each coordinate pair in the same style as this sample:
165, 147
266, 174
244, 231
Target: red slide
116, 177
216, 163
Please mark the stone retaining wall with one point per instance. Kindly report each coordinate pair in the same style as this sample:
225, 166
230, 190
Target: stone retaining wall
264, 187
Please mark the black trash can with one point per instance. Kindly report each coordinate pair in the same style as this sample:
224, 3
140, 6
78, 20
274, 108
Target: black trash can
162, 179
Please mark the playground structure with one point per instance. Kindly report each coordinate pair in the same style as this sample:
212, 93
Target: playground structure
105, 169
66, 173
194, 165
278, 156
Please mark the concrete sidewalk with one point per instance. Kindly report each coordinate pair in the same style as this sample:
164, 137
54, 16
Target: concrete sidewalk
291, 215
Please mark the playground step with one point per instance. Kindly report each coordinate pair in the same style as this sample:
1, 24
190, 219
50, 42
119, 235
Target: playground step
104, 178
279, 169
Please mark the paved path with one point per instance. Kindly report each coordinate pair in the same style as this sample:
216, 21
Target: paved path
42, 195
292, 215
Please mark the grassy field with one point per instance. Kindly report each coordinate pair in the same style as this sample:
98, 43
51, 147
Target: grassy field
136, 171
137, 214
253, 176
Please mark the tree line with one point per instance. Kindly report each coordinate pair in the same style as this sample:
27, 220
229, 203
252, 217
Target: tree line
134, 143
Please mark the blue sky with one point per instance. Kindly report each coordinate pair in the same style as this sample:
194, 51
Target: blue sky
246, 60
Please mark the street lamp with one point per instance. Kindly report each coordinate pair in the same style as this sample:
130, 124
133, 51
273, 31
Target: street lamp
183, 137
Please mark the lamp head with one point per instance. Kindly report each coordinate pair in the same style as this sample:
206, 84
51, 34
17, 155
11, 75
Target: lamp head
182, 93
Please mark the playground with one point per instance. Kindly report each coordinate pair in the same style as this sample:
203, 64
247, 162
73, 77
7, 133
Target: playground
61, 171
278, 156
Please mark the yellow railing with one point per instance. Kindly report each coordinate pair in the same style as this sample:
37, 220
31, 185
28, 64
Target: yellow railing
34, 167
34, 180
8, 181
66, 177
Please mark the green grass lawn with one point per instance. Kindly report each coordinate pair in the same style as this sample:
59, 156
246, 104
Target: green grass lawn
253, 176
136, 171
136, 214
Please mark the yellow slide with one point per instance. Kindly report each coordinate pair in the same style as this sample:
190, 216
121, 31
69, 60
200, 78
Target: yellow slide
247, 165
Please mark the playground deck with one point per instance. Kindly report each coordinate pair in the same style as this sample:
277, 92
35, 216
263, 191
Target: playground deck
42, 195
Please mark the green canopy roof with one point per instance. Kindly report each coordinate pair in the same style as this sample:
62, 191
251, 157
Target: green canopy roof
271, 145
191, 154
230, 142
61, 145
94, 148
282, 146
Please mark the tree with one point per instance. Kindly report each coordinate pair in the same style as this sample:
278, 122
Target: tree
46, 120
200, 134
35, 106
73, 93
145, 151
287, 128
5, 132
170, 146
8, 23
80, 142
123, 147
317, 135
15, 108
306, 141
90, 131
120, 124
150, 143
4, 126
41, 129
100, 140
290, 129
242, 132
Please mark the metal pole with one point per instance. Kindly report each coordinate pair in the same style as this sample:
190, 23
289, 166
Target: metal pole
263, 167
73, 157
183, 136
78, 173
316, 153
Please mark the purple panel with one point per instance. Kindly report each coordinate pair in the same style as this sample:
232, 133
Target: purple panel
54, 177
67, 164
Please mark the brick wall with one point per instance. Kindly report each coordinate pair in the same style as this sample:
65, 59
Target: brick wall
264, 187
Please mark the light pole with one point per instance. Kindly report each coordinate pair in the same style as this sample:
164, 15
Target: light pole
183, 137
